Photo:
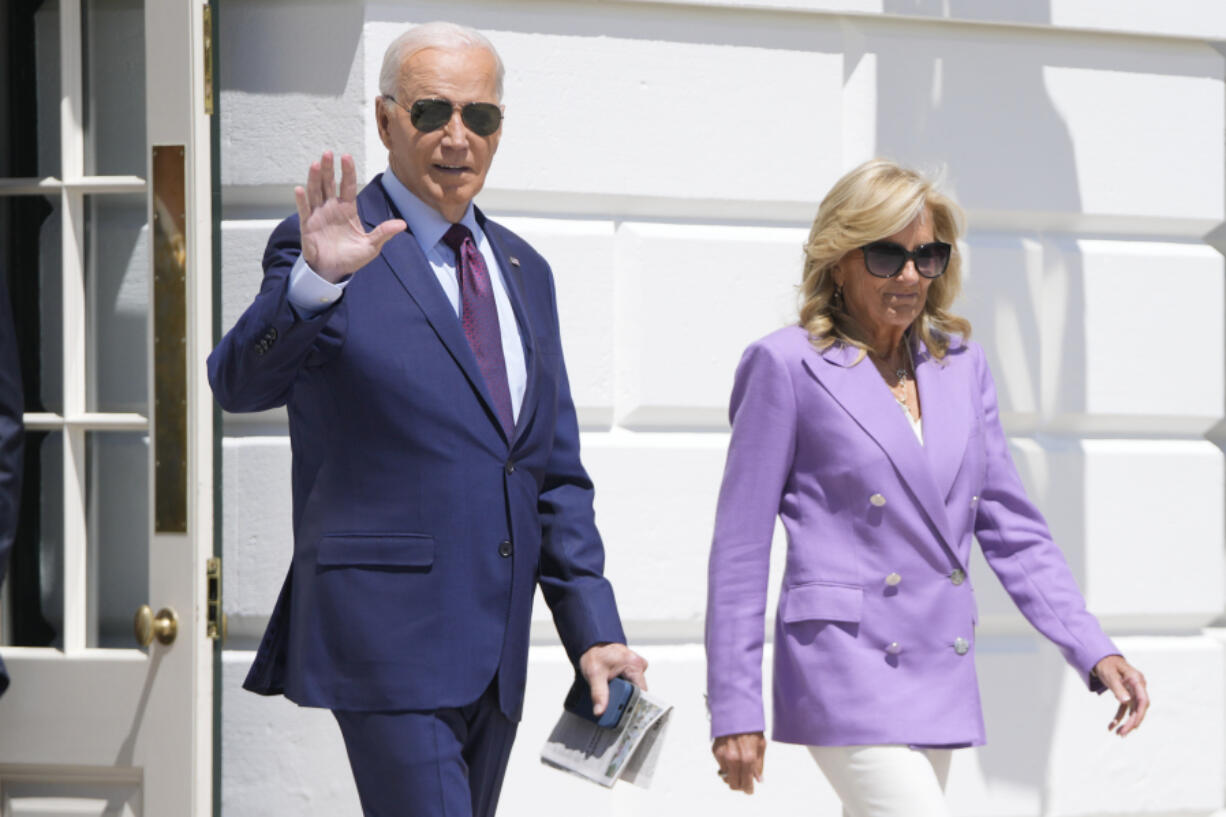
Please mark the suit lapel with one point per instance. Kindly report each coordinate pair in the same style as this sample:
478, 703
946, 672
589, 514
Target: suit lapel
512, 277
946, 408
404, 258
866, 398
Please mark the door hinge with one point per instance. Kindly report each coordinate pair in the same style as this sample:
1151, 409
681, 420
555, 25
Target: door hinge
208, 60
215, 627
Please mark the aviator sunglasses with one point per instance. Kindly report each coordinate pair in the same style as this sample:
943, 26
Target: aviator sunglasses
885, 259
482, 118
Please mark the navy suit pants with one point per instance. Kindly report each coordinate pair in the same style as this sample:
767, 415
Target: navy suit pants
440, 763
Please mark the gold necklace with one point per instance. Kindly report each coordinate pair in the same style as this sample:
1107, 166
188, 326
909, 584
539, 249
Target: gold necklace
901, 374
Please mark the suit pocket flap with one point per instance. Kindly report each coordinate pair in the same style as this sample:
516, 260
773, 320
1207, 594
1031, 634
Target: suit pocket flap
376, 550
822, 601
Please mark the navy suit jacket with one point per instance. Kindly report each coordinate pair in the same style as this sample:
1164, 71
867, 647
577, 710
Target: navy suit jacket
420, 530
10, 441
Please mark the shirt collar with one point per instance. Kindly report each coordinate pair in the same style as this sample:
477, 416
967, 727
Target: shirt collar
427, 224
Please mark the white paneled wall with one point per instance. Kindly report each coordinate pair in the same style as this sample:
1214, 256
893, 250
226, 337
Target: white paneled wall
667, 158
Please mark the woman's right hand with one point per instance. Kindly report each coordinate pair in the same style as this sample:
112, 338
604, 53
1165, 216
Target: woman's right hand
740, 759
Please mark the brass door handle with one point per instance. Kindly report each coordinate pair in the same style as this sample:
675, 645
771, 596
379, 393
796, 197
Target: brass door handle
145, 626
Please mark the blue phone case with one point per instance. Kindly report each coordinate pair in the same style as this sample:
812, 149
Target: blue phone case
579, 701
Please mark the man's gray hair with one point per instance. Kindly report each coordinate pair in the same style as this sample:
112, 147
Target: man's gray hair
433, 35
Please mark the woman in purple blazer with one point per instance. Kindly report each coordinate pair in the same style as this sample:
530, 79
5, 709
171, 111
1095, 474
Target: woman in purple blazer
871, 428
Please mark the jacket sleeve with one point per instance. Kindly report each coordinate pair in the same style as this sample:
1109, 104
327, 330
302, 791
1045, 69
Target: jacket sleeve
11, 465
572, 555
760, 456
256, 363
1019, 548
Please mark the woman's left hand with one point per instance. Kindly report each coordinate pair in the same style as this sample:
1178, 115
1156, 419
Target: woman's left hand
1128, 685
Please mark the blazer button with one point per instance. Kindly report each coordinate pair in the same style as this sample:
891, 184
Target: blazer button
877, 500
504, 548
893, 579
509, 467
957, 577
893, 648
961, 646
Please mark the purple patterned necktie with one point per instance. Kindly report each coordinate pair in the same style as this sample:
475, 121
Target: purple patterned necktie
479, 317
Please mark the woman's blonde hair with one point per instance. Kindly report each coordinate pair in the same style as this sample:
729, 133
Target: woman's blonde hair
873, 201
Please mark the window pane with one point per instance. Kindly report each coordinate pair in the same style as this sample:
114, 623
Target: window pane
117, 287
114, 87
30, 254
117, 507
35, 583
47, 78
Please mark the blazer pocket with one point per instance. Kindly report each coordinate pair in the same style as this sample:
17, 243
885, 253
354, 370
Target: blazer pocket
376, 550
822, 601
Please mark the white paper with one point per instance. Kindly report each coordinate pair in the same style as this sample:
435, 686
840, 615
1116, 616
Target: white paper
627, 752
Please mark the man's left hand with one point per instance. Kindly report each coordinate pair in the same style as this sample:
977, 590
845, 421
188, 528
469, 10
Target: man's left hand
604, 662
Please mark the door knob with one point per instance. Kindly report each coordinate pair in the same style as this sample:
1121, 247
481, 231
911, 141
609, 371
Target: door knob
146, 626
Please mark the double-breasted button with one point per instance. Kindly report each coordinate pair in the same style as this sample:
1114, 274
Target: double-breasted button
877, 500
957, 577
504, 548
893, 648
893, 579
961, 646
509, 467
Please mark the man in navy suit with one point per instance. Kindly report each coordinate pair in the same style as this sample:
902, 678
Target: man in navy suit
436, 473
10, 441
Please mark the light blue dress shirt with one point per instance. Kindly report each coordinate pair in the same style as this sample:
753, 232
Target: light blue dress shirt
311, 294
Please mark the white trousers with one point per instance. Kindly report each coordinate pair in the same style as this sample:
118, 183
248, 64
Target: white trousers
886, 781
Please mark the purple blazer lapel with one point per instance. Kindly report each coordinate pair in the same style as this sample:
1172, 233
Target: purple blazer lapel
866, 398
948, 419
404, 258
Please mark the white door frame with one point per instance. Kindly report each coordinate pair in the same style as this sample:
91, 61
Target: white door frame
130, 726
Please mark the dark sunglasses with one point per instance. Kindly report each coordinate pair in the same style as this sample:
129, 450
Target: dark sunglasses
482, 118
885, 259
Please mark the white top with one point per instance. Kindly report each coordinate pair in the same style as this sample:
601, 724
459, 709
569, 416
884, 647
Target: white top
916, 425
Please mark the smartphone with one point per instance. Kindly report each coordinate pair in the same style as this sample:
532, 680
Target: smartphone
579, 701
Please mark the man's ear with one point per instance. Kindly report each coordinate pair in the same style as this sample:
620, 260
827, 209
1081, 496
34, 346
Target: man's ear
383, 121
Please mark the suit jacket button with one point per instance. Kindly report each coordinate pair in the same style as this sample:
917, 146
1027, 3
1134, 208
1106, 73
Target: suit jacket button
509, 467
961, 646
272, 333
893, 579
957, 577
893, 648
504, 548
877, 500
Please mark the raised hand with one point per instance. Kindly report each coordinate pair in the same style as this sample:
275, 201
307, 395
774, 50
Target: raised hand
334, 242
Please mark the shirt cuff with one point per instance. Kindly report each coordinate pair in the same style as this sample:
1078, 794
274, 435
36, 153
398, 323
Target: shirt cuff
309, 293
